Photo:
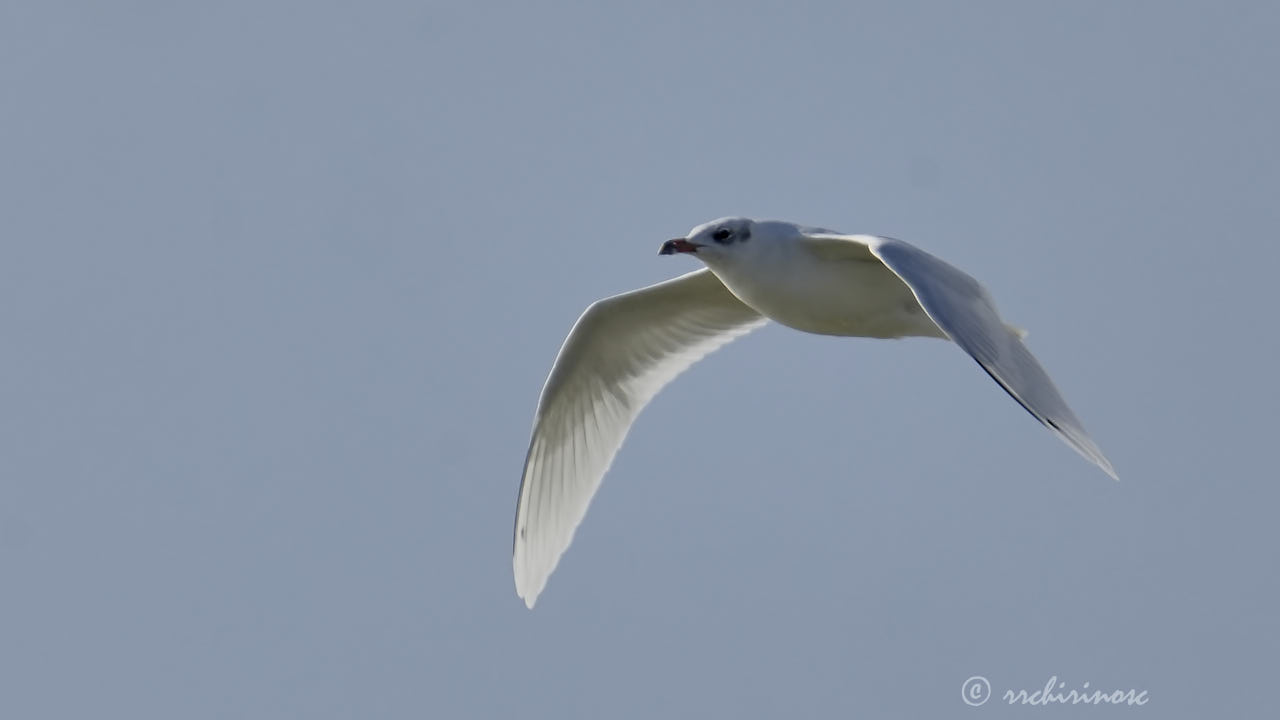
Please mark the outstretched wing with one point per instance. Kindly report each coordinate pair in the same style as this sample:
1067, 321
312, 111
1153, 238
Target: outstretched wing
618, 355
963, 309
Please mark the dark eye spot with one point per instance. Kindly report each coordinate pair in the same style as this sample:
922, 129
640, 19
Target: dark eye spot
722, 235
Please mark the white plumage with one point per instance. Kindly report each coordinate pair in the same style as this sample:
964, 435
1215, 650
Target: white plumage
624, 349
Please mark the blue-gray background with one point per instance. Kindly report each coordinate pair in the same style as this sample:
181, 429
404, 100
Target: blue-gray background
280, 283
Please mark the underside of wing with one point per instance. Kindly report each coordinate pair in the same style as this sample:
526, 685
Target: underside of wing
963, 309
618, 355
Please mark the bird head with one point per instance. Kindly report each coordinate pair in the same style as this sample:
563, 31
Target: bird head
710, 241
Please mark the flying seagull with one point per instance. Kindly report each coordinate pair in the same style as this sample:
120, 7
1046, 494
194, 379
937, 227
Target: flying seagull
625, 348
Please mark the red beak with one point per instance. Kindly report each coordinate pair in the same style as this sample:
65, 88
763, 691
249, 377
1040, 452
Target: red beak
679, 245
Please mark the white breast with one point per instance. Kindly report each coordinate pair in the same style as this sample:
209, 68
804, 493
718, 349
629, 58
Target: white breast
848, 298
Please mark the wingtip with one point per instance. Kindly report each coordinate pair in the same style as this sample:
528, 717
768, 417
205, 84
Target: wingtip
526, 591
1105, 465
1075, 436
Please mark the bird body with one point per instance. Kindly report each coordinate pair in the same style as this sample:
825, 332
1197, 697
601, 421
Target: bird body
625, 348
817, 289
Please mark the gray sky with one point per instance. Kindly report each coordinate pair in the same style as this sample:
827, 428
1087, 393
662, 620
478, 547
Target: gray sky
280, 284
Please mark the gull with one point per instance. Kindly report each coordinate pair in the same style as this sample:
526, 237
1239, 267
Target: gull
625, 348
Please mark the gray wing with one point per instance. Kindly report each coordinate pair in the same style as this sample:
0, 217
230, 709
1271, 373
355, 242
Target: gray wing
963, 309
618, 355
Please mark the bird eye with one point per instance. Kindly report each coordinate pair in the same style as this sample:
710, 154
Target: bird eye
722, 235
